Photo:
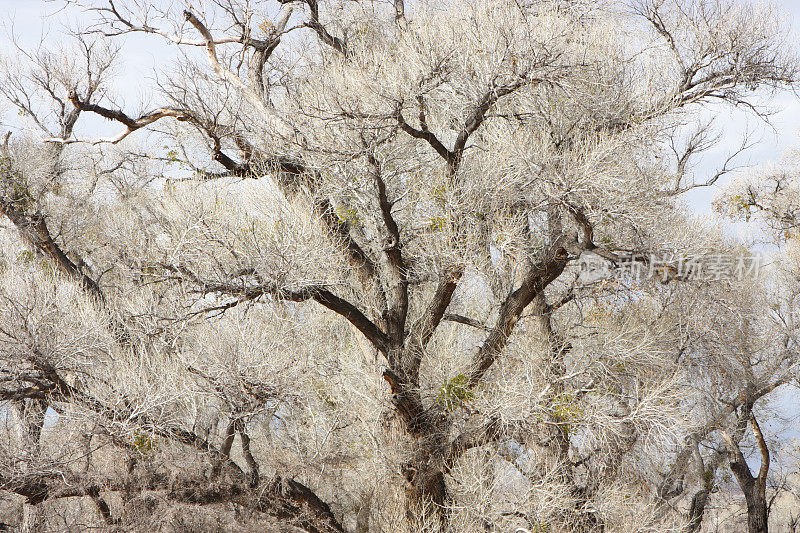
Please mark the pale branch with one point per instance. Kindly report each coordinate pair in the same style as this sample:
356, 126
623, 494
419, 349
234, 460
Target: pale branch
763, 449
258, 62
132, 124
713, 84
45, 78
226, 74
212, 130
461, 319
263, 49
657, 21
112, 15
34, 230
289, 170
286, 166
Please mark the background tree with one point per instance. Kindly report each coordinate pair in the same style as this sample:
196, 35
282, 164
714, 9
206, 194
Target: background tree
767, 196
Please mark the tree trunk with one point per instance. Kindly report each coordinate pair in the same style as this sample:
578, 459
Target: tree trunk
426, 491
426, 495
753, 487
756, 510
697, 510
31, 522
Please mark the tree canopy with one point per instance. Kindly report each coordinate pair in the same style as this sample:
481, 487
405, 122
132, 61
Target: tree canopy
391, 266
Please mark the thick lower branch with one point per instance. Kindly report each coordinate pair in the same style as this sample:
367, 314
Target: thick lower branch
287, 500
491, 431
539, 276
408, 402
423, 329
34, 230
317, 293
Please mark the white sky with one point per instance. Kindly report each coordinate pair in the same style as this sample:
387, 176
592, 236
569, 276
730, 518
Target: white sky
144, 54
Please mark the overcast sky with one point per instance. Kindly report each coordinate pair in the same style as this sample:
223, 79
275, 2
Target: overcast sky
29, 18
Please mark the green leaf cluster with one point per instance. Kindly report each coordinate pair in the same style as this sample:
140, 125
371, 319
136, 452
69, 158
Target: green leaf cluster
455, 393
144, 444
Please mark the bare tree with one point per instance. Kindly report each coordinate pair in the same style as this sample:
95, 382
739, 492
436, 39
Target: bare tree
347, 294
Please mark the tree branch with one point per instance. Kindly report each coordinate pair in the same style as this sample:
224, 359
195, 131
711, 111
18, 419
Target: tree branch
423, 329
285, 166
763, 450
396, 271
407, 400
317, 293
460, 319
491, 431
131, 124
33, 229
478, 115
538, 277
334, 42
211, 51
714, 423
425, 135
287, 500
225, 449
400, 13
252, 465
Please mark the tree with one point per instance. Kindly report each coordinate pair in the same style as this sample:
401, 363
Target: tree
358, 258
769, 197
